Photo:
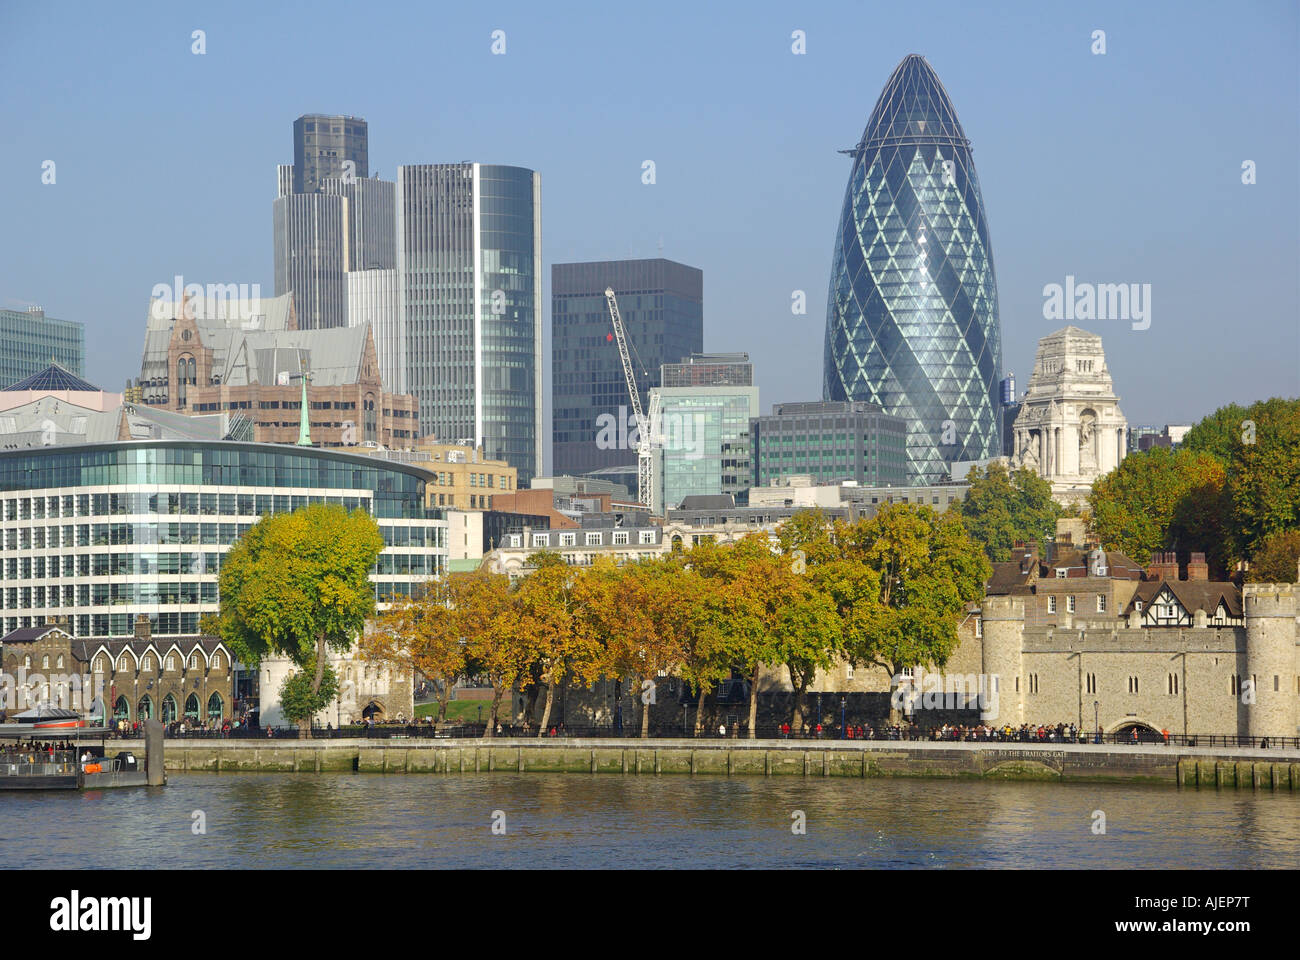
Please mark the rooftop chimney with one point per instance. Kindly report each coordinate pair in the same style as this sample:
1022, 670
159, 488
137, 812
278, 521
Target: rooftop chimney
143, 627
1197, 568
1163, 566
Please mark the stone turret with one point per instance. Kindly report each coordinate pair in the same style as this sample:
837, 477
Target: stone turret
1004, 626
1270, 616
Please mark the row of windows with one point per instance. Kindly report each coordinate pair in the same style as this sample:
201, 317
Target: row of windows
152, 504
590, 538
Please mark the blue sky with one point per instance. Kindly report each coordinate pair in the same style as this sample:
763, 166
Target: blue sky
1117, 168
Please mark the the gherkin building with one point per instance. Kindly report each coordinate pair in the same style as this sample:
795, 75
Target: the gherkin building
912, 314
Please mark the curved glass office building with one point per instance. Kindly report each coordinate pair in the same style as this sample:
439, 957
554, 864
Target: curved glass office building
98, 534
912, 312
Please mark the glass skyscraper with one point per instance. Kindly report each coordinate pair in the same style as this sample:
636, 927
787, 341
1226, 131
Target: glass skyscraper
912, 312
708, 401
30, 341
662, 306
469, 262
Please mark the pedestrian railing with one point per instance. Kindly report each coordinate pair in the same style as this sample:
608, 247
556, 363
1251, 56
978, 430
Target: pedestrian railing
904, 734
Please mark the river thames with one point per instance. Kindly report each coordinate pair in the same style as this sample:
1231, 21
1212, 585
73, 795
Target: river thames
350, 821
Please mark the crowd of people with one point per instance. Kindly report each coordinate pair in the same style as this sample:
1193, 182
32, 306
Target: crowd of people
38, 751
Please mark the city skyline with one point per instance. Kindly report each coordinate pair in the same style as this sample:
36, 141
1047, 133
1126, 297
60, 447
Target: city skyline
1072, 148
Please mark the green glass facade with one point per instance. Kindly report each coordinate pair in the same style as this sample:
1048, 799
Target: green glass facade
829, 442
29, 341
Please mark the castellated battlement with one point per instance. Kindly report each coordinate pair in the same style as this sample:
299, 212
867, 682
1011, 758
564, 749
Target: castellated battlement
1172, 640
1269, 599
1002, 608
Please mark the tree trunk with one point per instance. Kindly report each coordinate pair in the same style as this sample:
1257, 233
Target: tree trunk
491, 729
546, 710
443, 699
753, 703
320, 664
800, 689
645, 717
699, 712
895, 714
304, 729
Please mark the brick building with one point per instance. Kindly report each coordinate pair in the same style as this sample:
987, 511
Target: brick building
249, 357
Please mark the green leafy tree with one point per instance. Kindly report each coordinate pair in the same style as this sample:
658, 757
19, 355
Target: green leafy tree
1263, 479
901, 584
301, 698
1002, 508
1276, 559
1163, 499
298, 584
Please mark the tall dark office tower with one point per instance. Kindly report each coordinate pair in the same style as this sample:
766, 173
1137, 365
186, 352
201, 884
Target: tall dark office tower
469, 263
331, 219
912, 312
310, 242
662, 306
321, 145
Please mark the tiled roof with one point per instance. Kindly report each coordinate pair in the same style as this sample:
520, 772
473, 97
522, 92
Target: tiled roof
1193, 595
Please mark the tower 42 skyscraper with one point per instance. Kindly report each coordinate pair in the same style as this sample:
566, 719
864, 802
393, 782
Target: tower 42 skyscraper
912, 312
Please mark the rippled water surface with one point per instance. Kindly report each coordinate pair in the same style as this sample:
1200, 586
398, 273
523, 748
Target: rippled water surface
603, 821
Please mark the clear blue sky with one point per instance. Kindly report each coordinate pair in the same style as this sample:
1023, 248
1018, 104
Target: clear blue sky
1117, 168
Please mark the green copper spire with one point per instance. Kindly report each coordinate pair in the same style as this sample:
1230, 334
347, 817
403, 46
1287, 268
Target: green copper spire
304, 421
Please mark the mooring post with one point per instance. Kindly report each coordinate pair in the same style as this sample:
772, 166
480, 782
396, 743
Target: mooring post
153, 753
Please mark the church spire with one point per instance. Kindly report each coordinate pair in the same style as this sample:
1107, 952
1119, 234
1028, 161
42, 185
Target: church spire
304, 419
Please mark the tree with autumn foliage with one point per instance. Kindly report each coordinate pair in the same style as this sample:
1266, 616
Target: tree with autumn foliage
1277, 558
1164, 500
560, 643
424, 633
298, 584
499, 643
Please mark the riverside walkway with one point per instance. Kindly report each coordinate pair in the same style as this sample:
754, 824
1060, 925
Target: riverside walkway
1237, 767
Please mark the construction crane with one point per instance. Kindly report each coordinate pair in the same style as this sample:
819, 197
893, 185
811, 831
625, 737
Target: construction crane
645, 426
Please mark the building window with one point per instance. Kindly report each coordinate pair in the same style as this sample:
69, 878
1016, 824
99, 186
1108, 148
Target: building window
647, 536
1051, 604
1101, 603
593, 539
170, 662
121, 664
1234, 684
1173, 684
1069, 604
194, 661
45, 662
1060, 573
1091, 683
620, 538
147, 664
568, 539
1132, 684
1033, 683
848, 671
541, 539
979, 627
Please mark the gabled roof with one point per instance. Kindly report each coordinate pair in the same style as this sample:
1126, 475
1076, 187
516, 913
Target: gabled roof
54, 377
1192, 595
30, 634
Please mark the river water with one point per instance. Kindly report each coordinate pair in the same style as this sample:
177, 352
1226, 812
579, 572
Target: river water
354, 821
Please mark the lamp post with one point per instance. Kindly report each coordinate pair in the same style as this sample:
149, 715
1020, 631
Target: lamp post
843, 703
1096, 718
